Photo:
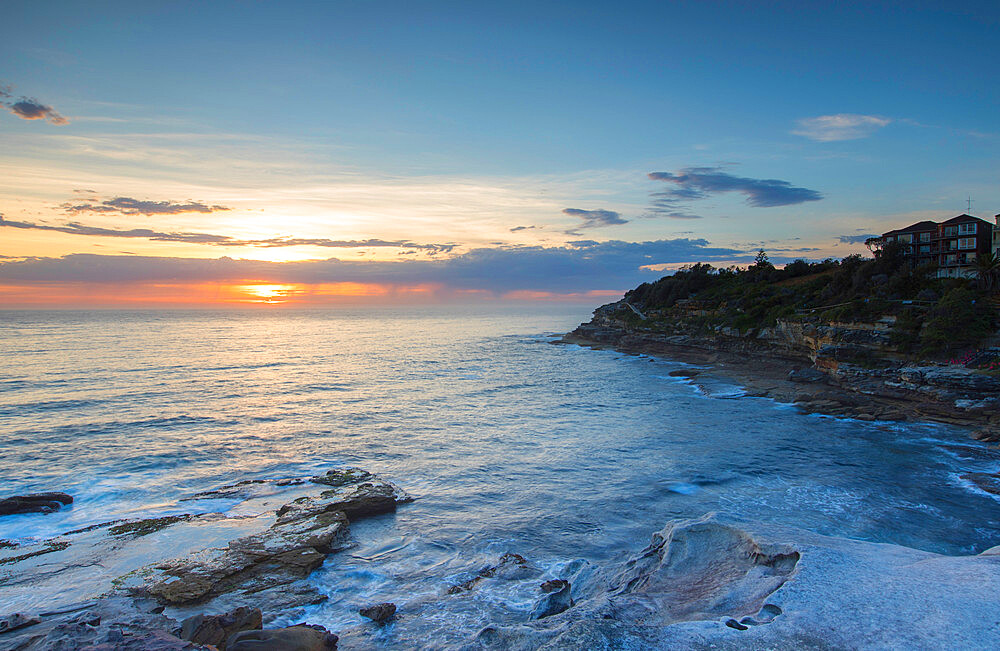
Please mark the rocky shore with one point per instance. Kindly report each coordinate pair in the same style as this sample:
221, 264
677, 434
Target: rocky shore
238, 583
846, 370
192, 581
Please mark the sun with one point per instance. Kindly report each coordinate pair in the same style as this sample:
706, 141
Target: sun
269, 293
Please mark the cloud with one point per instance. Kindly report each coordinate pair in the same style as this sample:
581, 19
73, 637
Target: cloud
130, 206
75, 228
593, 218
855, 239
521, 228
694, 183
577, 267
29, 108
842, 126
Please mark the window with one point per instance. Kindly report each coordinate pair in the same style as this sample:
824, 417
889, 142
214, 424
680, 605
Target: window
967, 229
966, 242
925, 248
906, 237
951, 258
925, 237
950, 231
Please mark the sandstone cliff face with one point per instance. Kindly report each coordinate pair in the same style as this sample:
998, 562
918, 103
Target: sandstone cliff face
858, 357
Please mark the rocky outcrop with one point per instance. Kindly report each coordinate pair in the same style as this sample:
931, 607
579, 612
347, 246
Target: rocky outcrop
34, 503
704, 584
301, 637
217, 629
703, 569
854, 358
379, 613
556, 600
253, 580
304, 533
511, 566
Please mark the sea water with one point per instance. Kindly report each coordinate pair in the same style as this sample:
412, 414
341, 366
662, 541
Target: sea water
508, 440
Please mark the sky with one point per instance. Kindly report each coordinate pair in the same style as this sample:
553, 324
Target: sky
310, 153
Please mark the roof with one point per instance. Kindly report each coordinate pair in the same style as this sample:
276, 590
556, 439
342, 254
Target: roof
961, 219
915, 228
924, 226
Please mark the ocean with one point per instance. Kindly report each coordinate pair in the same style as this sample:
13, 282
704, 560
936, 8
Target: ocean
508, 440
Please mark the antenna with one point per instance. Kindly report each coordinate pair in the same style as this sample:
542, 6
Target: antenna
969, 201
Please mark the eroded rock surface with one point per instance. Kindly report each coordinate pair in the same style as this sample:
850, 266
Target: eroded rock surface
379, 613
34, 503
217, 629
704, 570
302, 637
304, 533
703, 584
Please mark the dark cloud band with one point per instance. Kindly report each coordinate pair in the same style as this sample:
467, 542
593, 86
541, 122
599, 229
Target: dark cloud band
74, 228
577, 267
130, 206
694, 183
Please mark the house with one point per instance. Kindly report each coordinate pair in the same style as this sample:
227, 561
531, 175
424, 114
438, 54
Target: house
952, 244
996, 237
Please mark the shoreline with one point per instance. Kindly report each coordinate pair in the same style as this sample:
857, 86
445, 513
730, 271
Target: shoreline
769, 376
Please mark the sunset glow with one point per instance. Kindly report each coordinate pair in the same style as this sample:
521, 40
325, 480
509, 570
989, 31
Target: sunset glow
477, 169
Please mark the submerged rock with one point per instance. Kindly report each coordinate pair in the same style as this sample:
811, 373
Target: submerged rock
145, 527
34, 503
379, 613
511, 566
807, 375
556, 600
342, 477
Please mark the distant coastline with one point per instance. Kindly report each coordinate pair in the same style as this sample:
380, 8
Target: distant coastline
796, 364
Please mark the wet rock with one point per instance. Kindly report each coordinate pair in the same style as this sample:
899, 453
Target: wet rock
144, 641
305, 532
807, 375
511, 566
216, 629
34, 503
16, 621
379, 613
48, 547
702, 569
987, 434
145, 527
362, 500
302, 637
108, 623
984, 481
556, 600
283, 553
228, 491
342, 477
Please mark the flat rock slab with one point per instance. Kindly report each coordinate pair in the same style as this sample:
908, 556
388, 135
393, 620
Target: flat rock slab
702, 584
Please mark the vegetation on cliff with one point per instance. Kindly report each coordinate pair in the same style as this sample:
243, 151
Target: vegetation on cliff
932, 316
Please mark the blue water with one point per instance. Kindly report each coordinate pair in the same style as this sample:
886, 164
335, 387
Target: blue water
509, 442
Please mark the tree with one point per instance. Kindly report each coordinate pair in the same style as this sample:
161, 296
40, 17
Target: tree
987, 266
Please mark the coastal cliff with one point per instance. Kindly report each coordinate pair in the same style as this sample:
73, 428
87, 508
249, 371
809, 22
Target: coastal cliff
841, 368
